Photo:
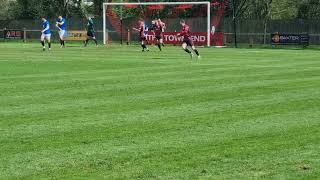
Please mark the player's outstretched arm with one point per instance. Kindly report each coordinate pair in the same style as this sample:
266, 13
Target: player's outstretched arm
135, 29
47, 28
57, 25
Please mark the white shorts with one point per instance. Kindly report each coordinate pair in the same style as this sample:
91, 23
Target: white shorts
62, 33
45, 36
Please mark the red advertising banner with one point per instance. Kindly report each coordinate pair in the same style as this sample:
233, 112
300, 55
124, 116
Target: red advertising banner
13, 34
199, 38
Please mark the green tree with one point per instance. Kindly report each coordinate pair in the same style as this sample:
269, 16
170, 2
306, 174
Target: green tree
25, 9
4, 9
309, 9
284, 9
97, 7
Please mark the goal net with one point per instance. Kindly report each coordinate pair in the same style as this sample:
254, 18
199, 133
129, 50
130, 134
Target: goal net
119, 19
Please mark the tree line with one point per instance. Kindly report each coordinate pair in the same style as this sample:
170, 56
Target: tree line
278, 9
252, 9
33, 9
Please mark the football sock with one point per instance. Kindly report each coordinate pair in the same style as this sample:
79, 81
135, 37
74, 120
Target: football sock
49, 44
187, 50
42, 42
63, 43
96, 42
197, 52
144, 46
159, 46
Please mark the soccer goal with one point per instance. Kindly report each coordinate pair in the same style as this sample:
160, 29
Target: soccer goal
120, 18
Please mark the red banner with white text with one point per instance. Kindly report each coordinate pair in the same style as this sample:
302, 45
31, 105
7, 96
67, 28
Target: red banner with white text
199, 38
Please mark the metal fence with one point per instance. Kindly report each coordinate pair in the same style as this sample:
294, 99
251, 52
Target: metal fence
249, 31
257, 32
32, 28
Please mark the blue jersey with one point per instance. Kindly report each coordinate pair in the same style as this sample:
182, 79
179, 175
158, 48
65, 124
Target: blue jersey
146, 30
46, 27
62, 23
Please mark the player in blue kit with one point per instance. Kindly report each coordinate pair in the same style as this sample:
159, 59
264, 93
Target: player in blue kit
61, 25
46, 34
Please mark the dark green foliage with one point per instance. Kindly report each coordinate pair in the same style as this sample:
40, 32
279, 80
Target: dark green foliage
34, 9
253, 9
309, 10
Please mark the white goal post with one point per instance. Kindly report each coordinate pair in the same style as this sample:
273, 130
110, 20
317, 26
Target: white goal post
207, 3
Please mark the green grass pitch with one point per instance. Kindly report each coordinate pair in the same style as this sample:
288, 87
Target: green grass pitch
117, 113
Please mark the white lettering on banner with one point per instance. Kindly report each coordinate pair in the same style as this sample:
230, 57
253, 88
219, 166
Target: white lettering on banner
150, 37
172, 38
198, 38
180, 38
294, 38
165, 37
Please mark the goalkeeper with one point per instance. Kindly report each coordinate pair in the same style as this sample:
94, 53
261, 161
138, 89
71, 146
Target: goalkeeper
90, 32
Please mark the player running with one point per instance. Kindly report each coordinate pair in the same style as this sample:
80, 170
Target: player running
158, 30
143, 31
187, 41
90, 32
61, 25
163, 27
45, 34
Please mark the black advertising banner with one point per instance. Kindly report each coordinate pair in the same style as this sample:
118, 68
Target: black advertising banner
13, 34
283, 39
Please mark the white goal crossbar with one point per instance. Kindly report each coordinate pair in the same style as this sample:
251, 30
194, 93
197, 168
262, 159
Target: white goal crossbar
207, 3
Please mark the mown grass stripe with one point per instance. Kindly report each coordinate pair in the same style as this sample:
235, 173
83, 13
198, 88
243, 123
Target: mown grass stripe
115, 112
